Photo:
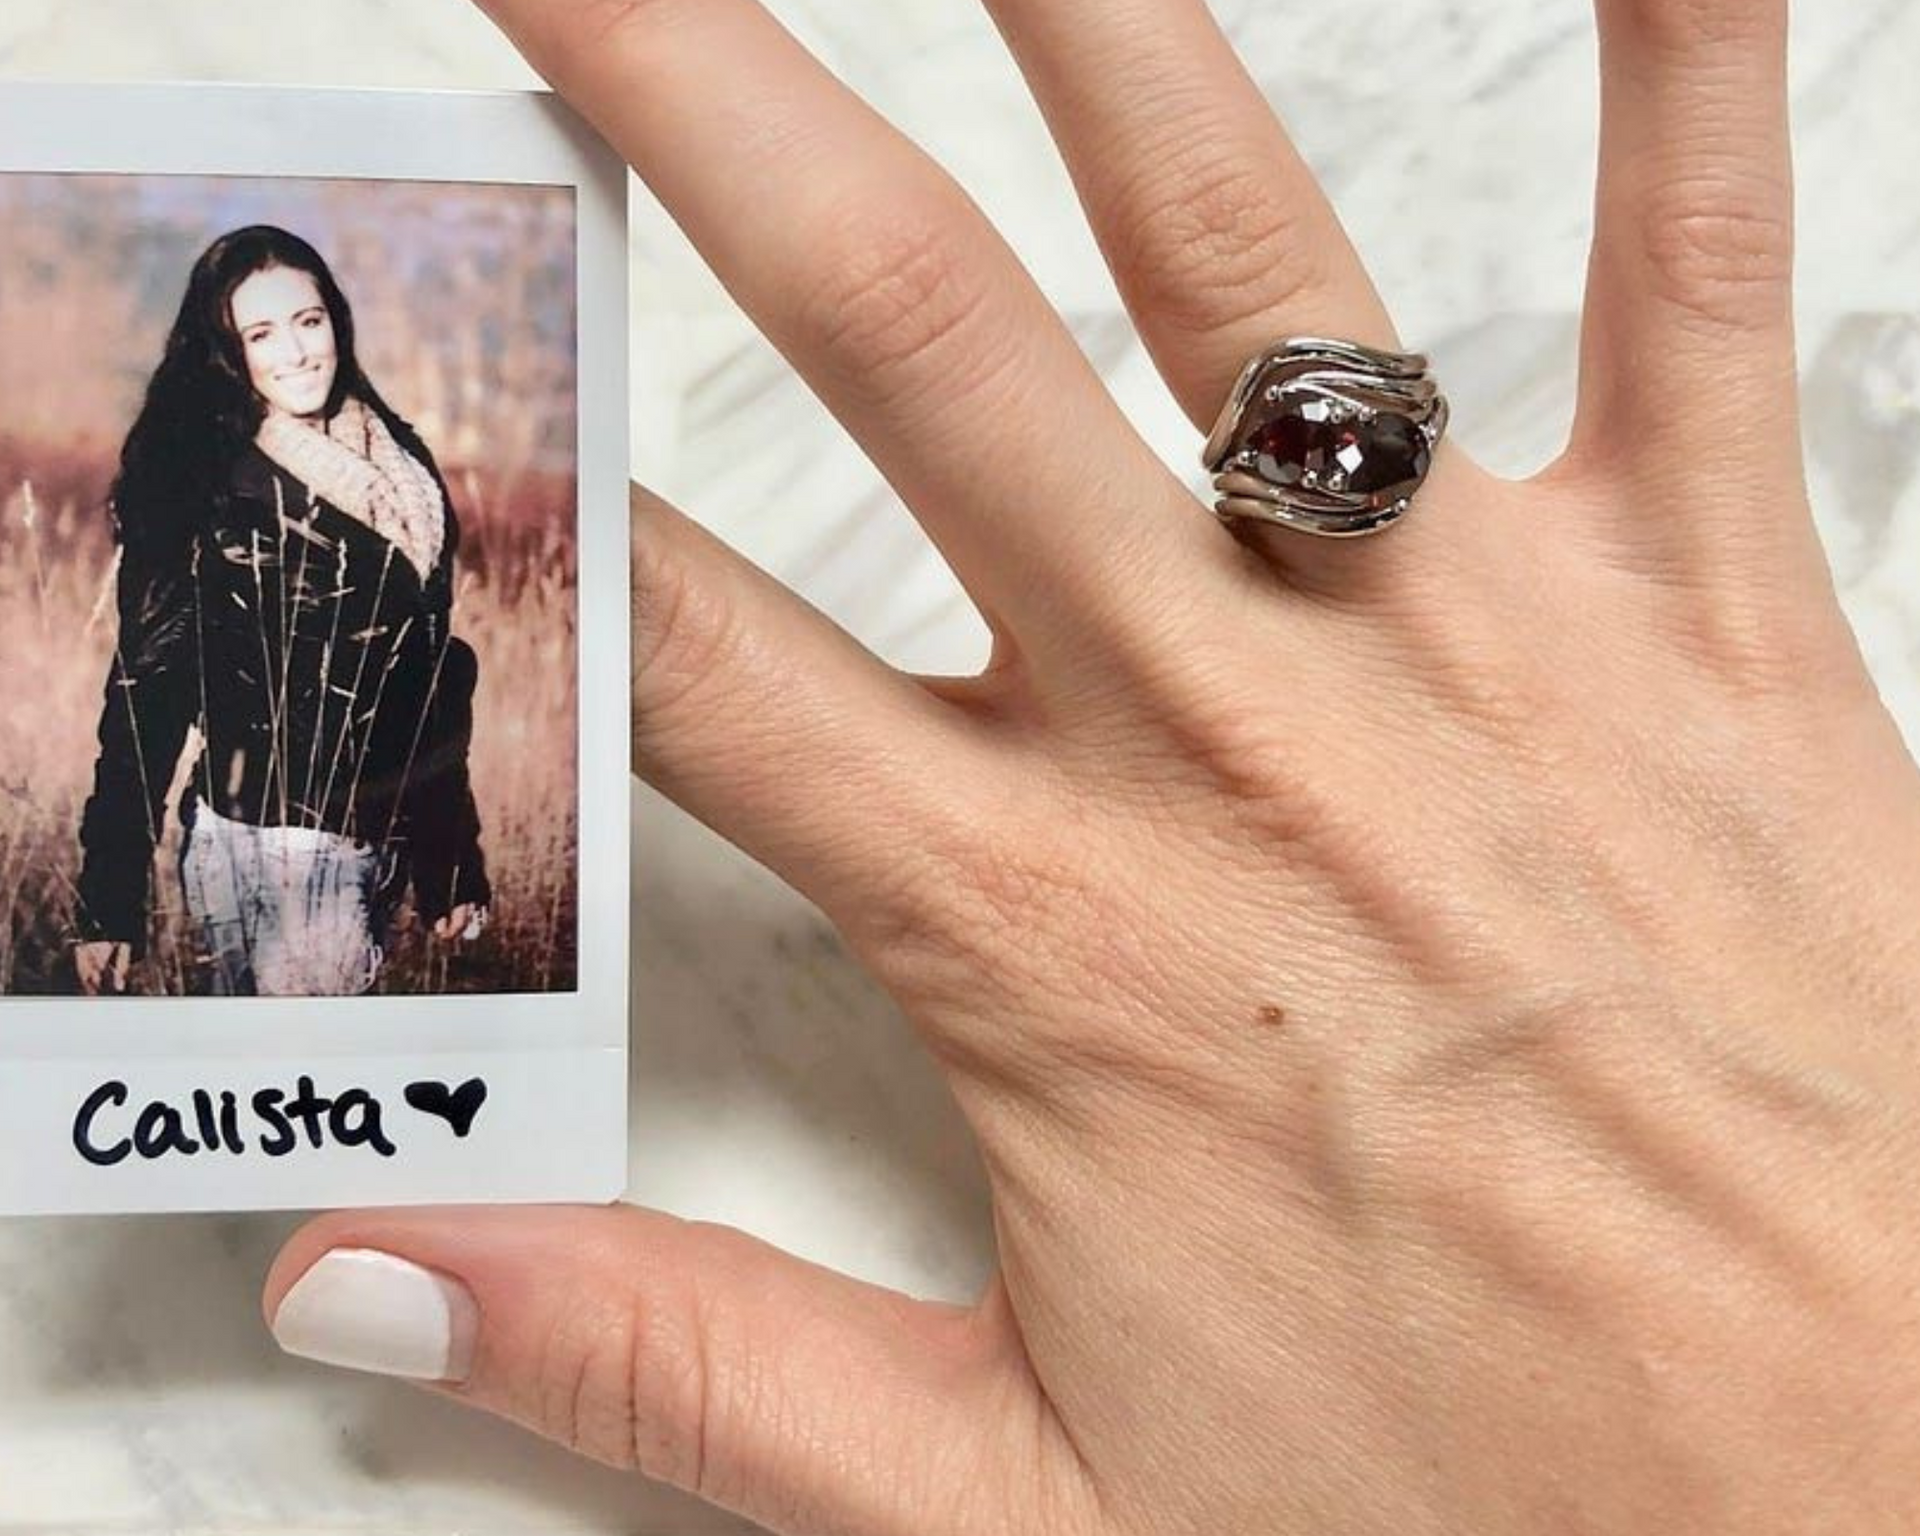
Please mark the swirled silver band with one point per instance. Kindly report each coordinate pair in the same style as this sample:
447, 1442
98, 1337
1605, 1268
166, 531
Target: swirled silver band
1326, 437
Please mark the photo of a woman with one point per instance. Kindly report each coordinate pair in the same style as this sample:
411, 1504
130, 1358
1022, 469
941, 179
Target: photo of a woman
285, 596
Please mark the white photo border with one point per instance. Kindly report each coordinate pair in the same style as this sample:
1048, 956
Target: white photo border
554, 1062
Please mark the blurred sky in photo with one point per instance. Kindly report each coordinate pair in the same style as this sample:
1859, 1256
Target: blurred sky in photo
463, 298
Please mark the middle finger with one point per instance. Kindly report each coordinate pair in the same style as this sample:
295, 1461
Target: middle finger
896, 300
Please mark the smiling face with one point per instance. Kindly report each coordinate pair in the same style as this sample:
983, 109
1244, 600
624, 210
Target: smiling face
286, 335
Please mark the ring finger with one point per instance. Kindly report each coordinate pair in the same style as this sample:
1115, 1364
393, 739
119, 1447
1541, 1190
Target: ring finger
1219, 236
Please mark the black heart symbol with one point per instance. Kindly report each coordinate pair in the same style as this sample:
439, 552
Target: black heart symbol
456, 1106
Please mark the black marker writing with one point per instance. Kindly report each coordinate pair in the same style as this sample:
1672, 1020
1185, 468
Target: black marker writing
353, 1118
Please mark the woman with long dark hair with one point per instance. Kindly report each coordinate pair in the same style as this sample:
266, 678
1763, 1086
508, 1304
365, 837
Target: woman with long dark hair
285, 587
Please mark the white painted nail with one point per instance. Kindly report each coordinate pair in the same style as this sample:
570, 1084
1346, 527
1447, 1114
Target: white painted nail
370, 1311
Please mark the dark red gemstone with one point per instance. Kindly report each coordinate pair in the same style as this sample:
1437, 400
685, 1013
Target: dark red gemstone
1387, 456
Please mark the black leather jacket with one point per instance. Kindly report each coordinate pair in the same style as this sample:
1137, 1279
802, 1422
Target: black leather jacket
326, 683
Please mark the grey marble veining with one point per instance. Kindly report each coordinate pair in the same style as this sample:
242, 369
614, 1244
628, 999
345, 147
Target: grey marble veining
774, 1086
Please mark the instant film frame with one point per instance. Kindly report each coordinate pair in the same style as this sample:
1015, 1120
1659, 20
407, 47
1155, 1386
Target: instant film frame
180, 1103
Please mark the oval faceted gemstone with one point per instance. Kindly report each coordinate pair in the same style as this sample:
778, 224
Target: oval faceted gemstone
1385, 457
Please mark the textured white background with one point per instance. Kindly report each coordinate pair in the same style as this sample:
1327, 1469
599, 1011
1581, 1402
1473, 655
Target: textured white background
773, 1086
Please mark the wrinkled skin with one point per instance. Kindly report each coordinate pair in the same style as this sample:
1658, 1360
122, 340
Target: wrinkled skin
1438, 1010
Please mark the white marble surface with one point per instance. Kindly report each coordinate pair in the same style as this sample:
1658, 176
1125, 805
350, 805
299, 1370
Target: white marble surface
774, 1087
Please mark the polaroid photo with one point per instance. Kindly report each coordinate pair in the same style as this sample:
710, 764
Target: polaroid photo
313, 650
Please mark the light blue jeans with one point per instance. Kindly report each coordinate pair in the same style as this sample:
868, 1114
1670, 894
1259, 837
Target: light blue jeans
281, 911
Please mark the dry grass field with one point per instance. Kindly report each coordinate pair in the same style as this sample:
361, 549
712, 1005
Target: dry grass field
515, 606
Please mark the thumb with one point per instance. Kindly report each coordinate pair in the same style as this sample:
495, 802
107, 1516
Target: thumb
800, 1398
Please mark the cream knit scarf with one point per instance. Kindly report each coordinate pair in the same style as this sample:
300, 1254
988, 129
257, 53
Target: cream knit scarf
354, 463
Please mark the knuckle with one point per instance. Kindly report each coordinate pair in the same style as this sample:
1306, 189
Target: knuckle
985, 912
625, 1382
1761, 649
1690, 26
1739, 621
968, 907
1210, 244
1247, 757
1301, 804
1737, 642
601, 24
1466, 664
901, 308
1721, 257
682, 633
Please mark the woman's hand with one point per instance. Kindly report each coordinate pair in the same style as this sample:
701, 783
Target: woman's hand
102, 966
465, 921
1439, 1010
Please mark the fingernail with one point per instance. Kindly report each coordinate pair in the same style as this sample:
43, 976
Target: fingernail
370, 1311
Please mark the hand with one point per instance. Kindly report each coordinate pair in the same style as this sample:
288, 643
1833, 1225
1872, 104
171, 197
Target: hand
465, 921
102, 966
1438, 1010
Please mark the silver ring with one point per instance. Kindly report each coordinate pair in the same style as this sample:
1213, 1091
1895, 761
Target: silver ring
1326, 437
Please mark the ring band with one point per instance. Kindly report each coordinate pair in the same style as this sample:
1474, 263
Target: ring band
1326, 437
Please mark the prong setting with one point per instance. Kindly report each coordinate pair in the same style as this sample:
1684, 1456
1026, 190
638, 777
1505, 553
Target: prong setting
1327, 437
